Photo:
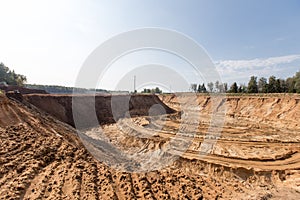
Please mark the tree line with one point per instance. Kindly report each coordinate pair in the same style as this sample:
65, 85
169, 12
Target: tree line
56, 89
261, 85
152, 91
10, 77
255, 85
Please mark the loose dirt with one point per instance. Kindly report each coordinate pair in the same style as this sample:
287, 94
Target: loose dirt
256, 156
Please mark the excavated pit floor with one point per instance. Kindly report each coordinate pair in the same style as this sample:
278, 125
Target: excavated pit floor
255, 156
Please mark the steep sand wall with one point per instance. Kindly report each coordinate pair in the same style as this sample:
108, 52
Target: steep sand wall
60, 106
280, 110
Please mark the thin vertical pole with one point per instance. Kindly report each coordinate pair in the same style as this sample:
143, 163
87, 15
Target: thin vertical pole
134, 83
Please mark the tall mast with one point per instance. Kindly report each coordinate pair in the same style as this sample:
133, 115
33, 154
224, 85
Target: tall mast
134, 83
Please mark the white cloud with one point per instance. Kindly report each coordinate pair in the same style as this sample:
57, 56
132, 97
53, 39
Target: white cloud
241, 70
255, 63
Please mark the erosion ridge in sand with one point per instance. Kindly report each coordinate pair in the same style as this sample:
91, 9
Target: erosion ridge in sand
256, 156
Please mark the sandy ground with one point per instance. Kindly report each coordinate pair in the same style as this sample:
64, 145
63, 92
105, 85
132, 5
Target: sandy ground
256, 155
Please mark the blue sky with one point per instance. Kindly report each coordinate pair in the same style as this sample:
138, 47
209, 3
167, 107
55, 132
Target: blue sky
48, 41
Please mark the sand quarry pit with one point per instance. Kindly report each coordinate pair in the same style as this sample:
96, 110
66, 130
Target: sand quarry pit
255, 156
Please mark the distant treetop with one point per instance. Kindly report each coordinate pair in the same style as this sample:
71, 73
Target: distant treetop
10, 77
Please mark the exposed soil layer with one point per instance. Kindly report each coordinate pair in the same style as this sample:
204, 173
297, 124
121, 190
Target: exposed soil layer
62, 106
278, 110
256, 156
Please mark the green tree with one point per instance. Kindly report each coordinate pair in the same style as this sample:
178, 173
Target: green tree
199, 90
225, 87
3, 72
262, 85
272, 85
204, 88
157, 90
252, 85
233, 88
283, 85
194, 87
242, 88
278, 88
210, 86
146, 90
297, 82
10, 77
290, 82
